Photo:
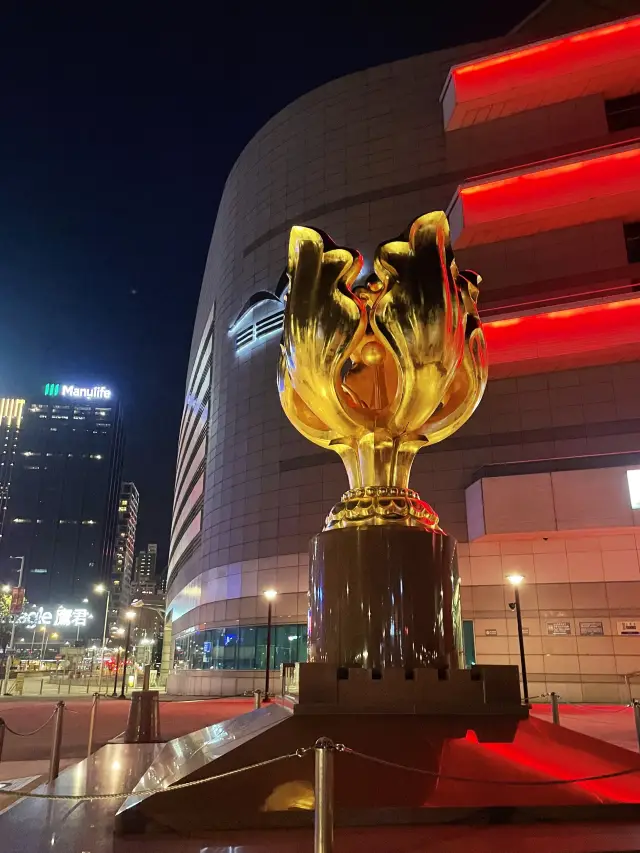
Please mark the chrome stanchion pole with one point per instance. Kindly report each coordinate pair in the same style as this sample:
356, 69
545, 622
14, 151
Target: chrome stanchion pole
54, 766
555, 709
92, 722
3, 728
323, 818
636, 716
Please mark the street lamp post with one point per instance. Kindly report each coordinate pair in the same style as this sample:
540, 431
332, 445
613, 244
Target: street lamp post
43, 645
129, 616
100, 588
115, 680
515, 581
270, 595
9, 657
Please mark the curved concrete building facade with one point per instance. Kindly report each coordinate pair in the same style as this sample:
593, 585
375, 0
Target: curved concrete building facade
360, 158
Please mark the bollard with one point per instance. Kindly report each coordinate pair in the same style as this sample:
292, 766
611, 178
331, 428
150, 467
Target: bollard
257, 698
636, 714
323, 817
92, 722
54, 766
143, 723
555, 710
3, 728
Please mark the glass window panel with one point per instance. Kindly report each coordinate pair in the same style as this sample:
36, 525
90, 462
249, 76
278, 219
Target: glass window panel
469, 642
229, 640
247, 649
217, 649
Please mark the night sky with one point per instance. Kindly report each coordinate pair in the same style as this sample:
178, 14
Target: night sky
118, 125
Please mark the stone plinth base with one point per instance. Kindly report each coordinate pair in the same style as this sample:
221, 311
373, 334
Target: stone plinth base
481, 690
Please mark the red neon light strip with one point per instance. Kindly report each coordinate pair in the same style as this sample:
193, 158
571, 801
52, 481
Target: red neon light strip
559, 45
573, 330
593, 163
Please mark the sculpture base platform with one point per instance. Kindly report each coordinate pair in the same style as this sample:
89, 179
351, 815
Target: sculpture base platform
485, 761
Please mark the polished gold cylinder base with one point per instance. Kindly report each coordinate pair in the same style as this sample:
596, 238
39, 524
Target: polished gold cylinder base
385, 596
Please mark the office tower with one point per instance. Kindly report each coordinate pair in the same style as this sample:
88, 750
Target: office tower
64, 490
144, 576
122, 569
10, 421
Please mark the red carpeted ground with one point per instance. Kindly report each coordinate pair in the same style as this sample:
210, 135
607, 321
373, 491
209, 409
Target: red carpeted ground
541, 752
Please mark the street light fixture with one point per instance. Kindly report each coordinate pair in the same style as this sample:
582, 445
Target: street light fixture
130, 615
100, 588
270, 595
515, 580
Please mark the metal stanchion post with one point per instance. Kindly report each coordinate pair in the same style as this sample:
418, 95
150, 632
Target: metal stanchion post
555, 709
41, 685
257, 698
54, 766
69, 690
3, 728
88, 684
636, 715
59, 686
92, 722
323, 818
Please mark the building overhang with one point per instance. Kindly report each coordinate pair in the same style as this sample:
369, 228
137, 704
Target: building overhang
545, 196
556, 340
600, 60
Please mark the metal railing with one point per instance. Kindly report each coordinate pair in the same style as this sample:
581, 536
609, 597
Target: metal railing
56, 741
325, 752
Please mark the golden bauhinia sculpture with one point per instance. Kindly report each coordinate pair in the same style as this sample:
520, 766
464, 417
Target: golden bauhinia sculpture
377, 369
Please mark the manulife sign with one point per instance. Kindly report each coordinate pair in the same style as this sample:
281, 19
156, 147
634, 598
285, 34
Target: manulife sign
97, 392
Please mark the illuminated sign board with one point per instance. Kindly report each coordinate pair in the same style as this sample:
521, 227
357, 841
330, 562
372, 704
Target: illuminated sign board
261, 317
98, 392
633, 478
63, 617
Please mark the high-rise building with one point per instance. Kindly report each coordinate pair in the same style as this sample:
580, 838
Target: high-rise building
10, 421
531, 143
62, 507
144, 576
122, 569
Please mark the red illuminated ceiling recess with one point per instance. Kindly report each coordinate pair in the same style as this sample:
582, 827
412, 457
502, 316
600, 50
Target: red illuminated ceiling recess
588, 187
593, 334
600, 60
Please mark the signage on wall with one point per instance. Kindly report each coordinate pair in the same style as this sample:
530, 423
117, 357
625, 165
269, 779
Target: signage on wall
592, 629
633, 478
491, 632
62, 617
558, 629
261, 317
97, 392
629, 628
